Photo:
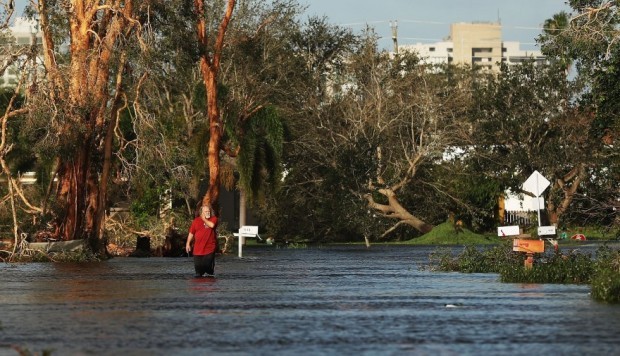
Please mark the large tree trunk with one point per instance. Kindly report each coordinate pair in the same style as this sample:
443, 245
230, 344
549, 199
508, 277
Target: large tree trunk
86, 124
394, 210
72, 194
209, 67
215, 137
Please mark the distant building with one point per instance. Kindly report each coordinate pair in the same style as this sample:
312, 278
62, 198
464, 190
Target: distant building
24, 32
474, 44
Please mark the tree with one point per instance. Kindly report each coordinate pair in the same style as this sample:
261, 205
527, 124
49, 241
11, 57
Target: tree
260, 77
81, 98
554, 27
591, 41
302, 208
21, 59
422, 119
211, 43
526, 120
388, 120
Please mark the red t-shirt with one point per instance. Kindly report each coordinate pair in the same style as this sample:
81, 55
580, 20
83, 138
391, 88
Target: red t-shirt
205, 238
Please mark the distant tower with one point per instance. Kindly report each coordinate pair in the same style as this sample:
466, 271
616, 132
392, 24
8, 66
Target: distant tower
394, 25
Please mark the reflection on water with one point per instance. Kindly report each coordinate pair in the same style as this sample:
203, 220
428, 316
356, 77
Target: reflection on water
336, 300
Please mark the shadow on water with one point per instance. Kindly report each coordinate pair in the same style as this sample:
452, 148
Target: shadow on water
332, 300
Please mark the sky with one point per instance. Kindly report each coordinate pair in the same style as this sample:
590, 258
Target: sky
428, 21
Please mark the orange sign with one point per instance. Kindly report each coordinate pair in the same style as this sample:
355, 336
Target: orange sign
529, 246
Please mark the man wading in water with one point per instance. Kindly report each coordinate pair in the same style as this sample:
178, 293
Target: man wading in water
205, 244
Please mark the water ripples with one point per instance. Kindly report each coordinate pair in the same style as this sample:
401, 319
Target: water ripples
340, 300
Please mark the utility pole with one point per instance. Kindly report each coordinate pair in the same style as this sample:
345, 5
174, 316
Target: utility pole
394, 25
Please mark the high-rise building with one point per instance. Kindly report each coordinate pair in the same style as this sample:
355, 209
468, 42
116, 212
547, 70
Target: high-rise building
474, 44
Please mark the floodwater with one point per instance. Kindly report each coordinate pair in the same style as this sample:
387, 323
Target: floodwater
315, 301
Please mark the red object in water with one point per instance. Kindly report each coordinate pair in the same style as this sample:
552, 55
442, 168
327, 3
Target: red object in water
580, 237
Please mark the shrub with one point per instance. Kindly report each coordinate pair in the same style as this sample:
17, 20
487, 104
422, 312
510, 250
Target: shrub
441, 260
558, 268
475, 260
606, 280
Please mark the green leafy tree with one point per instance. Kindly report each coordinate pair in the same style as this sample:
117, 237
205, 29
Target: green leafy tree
302, 208
591, 42
526, 120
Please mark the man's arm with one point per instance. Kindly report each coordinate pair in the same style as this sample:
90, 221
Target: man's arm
207, 222
188, 245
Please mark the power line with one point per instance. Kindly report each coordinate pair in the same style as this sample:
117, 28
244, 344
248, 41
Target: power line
517, 27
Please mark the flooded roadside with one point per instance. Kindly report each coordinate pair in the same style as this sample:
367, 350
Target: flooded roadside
334, 300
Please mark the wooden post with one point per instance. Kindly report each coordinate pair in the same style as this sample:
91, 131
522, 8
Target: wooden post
529, 261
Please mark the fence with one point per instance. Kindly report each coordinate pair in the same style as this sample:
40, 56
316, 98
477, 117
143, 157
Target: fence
521, 218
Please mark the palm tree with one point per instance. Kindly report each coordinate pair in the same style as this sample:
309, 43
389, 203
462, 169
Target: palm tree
259, 159
553, 29
558, 23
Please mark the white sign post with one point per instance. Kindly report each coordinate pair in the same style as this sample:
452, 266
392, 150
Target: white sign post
536, 184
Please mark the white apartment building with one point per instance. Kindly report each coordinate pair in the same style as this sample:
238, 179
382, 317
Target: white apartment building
474, 44
23, 32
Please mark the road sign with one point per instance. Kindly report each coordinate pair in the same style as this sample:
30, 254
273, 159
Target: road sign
536, 184
546, 230
528, 246
508, 230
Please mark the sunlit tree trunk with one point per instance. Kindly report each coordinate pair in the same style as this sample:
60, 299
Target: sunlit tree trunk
95, 28
211, 49
215, 135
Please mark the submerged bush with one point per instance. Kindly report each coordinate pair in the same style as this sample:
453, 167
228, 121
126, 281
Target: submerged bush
573, 268
606, 280
603, 273
474, 259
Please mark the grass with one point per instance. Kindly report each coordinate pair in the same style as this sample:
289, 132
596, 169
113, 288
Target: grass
593, 233
445, 234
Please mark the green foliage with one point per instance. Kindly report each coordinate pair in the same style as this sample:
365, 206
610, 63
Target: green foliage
476, 193
574, 268
603, 273
309, 104
312, 204
606, 286
259, 160
519, 119
474, 259
146, 203
446, 234
606, 279
294, 245
589, 41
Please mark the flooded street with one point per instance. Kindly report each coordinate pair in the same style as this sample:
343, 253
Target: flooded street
331, 300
